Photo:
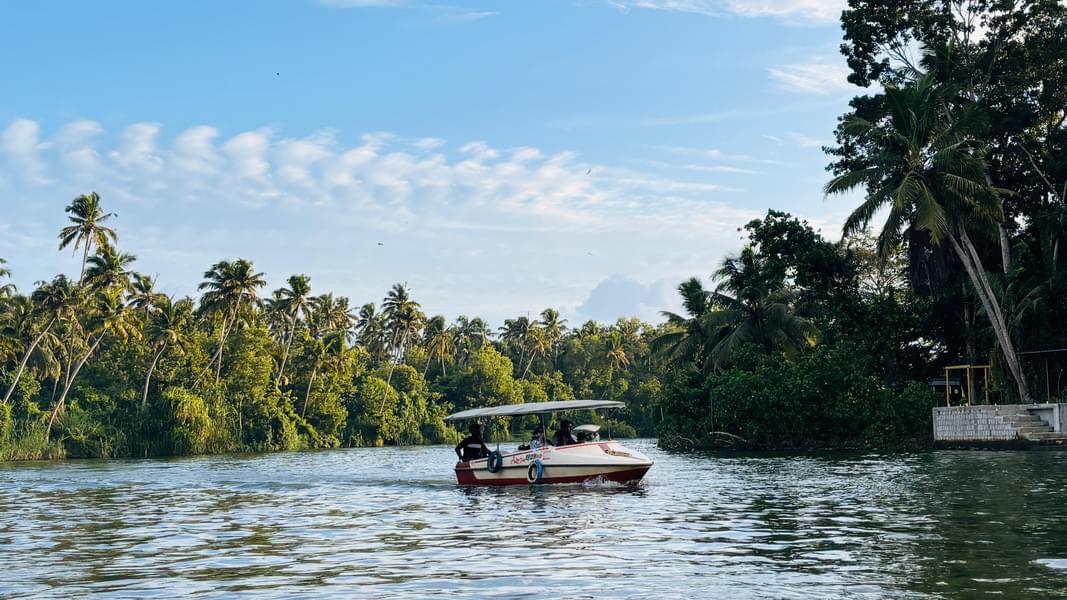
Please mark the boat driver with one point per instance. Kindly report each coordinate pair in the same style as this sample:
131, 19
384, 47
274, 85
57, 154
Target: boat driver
563, 436
472, 447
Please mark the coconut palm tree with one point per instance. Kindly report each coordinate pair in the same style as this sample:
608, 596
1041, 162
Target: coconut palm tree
7, 290
108, 268
230, 287
616, 354
330, 314
440, 342
371, 331
539, 343
166, 329
50, 303
404, 321
108, 316
928, 169
554, 328
87, 227
143, 294
321, 351
688, 337
293, 303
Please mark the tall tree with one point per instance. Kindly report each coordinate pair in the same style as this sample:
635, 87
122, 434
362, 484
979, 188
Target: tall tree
50, 303
166, 329
230, 287
110, 268
107, 316
87, 227
294, 304
928, 168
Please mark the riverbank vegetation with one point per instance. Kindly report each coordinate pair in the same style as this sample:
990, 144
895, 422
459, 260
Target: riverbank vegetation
796, 341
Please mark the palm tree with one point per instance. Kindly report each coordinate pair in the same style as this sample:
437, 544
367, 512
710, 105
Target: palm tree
50, 303
330, 347
8, 289
87, 227
371, 331
554, 328
404, 319
616, 355
230, 286
108, 268
931, 173
143, 294
293, 303
329, 314
755, 310
440, 343
167, 329
688, 338
516, 332
108, 316
539, 343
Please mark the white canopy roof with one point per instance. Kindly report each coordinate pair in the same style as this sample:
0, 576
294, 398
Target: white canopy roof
532, 408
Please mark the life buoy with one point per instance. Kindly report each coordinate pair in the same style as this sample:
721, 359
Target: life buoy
535, 471
495, 461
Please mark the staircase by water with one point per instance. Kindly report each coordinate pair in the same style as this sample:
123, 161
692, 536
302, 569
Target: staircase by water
1033, 428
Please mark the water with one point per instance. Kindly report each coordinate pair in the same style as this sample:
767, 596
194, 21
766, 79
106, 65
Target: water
390, 523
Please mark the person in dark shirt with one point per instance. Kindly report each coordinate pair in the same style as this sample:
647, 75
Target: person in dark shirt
472, 447
563, 436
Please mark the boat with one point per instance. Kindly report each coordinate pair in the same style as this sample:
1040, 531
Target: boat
591, 461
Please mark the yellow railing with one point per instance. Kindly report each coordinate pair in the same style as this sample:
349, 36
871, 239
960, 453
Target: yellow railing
967, 393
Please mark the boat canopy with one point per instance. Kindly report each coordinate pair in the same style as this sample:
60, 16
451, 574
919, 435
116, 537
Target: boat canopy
532, 408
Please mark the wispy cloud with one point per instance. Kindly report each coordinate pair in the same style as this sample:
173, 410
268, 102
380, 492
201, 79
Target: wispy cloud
823, 77
446, 13
789, 11
793, 138
597, 122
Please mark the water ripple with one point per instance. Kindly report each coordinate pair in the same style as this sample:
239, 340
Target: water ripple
391, 523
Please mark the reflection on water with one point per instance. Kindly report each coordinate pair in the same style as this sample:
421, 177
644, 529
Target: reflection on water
391, 523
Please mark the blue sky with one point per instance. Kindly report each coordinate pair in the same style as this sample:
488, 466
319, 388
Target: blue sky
498, 157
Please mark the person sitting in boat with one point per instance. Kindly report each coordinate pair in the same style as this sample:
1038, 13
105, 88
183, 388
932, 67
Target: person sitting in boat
472, 447
563, 436
538, 440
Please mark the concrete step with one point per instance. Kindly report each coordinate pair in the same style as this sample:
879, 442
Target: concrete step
1023, 419
1045, 435
1033, 429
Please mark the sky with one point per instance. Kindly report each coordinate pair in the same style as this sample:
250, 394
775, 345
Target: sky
498, 158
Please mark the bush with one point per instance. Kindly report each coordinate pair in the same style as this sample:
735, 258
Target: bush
828, 398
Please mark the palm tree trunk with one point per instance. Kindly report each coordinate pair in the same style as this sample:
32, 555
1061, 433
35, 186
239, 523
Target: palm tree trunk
528, 364
222, 343
70, 383
25, 359
976, 272
307, 395
152, 367
285, 355
85, 259
1005, 248
427, 367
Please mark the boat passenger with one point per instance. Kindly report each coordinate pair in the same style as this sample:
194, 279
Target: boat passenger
563, 436
472, 447
538, 440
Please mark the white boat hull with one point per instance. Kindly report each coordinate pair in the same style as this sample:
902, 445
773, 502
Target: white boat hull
609, 461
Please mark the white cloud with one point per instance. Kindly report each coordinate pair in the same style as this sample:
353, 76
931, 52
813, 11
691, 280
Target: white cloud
823, 77
790, 11
793, 138
21, 143
457, 219
621, 296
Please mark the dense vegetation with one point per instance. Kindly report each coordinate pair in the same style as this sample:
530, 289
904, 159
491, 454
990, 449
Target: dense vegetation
801, 342
105, 366
962, 150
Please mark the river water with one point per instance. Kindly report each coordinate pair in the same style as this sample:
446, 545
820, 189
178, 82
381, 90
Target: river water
391, 523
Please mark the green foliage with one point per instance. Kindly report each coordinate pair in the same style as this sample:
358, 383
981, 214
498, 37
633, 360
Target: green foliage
827, 398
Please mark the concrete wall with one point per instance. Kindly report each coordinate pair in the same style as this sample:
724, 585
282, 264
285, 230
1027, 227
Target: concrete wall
988, 423
974, 423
